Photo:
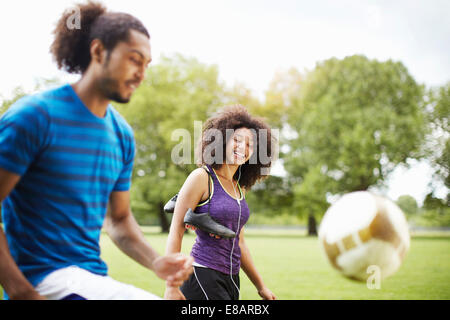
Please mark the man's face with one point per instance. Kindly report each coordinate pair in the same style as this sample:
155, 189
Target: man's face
124, 69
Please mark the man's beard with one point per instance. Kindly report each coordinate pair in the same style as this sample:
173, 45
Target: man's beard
109, 88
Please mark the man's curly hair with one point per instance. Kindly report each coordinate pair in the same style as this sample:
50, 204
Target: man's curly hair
71, 46
235, 117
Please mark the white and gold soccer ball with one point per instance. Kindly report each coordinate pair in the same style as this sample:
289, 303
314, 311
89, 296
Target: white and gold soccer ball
362, 231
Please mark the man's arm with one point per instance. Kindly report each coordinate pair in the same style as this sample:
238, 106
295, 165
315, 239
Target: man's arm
124, 231
127, 235
11, 278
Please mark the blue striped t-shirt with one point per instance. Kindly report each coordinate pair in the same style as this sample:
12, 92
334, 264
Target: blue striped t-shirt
69, 161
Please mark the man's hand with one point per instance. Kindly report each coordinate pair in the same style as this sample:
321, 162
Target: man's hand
173, 293
175, 268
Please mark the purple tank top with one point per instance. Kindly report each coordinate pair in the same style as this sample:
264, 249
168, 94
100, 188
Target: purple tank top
216, 253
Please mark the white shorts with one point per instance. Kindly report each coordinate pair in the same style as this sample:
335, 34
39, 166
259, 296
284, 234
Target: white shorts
86, 285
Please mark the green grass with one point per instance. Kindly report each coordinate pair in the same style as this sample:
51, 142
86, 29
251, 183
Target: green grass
294, 267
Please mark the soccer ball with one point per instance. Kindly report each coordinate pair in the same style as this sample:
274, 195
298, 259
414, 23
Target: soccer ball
363, 232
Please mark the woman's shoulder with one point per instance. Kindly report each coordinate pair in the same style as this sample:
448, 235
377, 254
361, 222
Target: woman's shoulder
198, 175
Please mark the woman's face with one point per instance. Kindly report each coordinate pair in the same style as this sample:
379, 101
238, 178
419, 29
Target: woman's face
240, 146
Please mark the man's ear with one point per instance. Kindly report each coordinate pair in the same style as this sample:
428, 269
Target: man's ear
98, 51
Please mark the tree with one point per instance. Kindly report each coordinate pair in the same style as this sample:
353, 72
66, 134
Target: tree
408, 204
310, 197
177, 91
436, 211
438, 142
355, 119
271, 197
281, 95
432, 203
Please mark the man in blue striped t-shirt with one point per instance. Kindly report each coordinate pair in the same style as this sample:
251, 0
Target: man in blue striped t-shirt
65, 156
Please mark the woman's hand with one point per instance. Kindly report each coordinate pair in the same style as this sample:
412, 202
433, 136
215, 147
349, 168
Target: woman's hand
266, 294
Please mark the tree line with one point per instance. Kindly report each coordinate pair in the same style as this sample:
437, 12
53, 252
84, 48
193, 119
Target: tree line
345, 126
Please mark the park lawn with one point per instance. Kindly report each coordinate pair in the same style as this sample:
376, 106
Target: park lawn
294, 268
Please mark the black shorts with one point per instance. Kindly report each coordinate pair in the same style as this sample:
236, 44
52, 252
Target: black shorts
209, 284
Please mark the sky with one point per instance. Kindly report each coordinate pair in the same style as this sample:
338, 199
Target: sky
251, 40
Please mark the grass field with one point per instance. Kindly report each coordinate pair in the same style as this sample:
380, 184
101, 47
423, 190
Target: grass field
294, 267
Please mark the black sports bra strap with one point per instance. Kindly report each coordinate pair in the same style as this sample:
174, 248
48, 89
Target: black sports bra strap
209, 186
209, 180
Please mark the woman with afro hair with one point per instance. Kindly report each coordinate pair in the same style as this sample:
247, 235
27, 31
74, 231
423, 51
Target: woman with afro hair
230, 160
